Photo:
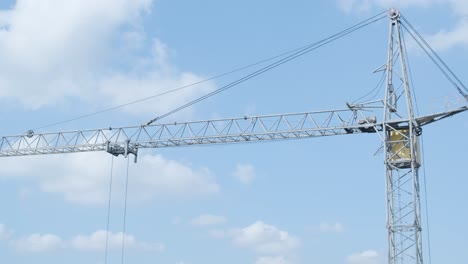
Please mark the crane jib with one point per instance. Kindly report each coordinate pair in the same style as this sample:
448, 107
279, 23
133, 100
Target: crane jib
127, 140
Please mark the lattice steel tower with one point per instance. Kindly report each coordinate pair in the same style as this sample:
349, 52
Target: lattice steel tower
402, 156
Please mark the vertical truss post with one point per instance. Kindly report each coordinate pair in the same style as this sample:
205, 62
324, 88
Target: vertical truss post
402, 161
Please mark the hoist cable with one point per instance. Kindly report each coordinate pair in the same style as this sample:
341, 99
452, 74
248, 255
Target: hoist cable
435, 54
177, 89
273, 65
109, 209
434, 61
375, 89
439, 59
125, 212
171, 91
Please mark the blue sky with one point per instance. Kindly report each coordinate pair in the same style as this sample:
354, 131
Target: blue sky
311, 201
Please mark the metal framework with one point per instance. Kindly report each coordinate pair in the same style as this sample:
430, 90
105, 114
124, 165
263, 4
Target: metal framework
402, 159
127, 140
399, 131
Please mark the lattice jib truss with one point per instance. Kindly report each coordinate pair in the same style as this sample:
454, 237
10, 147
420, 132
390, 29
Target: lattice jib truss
126, 140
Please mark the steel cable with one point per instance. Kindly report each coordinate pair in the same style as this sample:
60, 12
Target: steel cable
125, 213
170, 91
295, 55
376, 89
437, 60
109, 210
193, 84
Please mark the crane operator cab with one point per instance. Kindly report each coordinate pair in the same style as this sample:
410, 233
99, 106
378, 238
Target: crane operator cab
400, 148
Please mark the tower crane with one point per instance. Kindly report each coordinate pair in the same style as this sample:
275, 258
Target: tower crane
399, 132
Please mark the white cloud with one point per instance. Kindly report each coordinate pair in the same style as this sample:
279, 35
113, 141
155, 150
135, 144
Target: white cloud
331, 227
365, 257
460, 7
84, 177
156, 77
53, 51
444, 39
157, 176
36, 243
261, 238
97, 242
456, 36
208, 220
272, 260
54, 42
218, 233
5, 233
245, 173
365, 5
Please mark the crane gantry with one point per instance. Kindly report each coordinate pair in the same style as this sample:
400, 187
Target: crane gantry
399, 131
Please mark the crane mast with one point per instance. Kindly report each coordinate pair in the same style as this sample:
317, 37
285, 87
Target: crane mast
402, 158
399, 131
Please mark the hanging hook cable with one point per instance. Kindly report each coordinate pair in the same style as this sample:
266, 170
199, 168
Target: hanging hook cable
125, 212
458, 85
109, 209
273, 65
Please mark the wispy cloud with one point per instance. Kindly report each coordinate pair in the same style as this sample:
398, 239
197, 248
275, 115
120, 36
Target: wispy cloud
83, 178
270, 243
365, 257
261, 238
97, 53
245, 173
208, 220
41, 243
37, 243
97, 242
327, 227
5, 233
272, 260
358, 6
445, 39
